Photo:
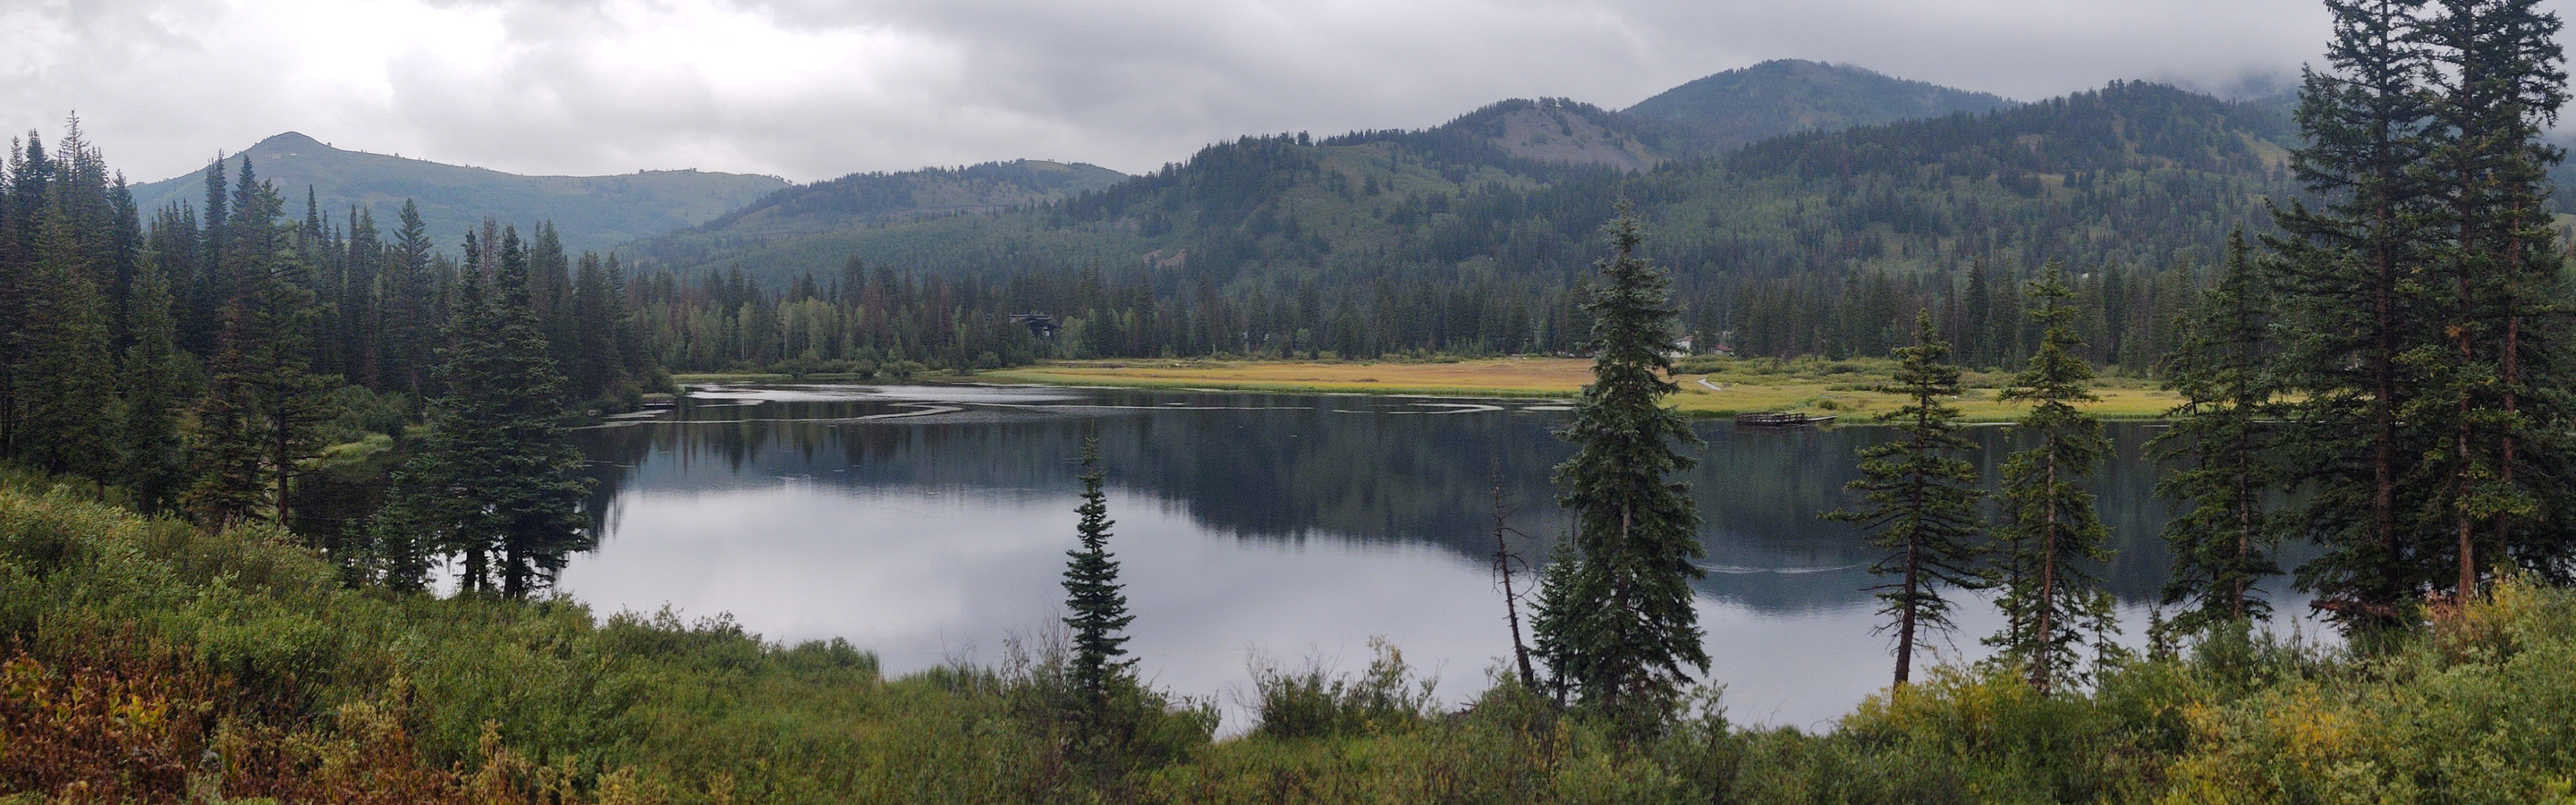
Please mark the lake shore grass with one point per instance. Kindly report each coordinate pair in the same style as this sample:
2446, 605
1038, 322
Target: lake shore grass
1711, 386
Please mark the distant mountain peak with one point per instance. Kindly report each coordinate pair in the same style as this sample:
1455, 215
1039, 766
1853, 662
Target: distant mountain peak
1790, 96
289, 141
1559, 130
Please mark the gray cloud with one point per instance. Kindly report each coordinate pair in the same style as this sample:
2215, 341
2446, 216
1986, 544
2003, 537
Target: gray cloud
811, 89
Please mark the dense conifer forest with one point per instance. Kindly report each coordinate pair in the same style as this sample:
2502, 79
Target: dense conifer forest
1465, 239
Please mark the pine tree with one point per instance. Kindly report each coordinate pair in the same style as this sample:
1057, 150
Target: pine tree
67, 382
411, 323
2496, 396
2225, 441
2226, 445
31, 177
154, 461
229, 467
1099, 620
498, 470
2356, 305
1614, 620
1977, 333
2052, 604
598, 368
203, 323
1922, 498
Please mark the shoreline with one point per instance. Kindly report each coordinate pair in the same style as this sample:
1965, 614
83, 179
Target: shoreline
1709, 387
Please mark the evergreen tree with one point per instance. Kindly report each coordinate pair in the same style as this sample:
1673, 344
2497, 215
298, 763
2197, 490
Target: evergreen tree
256, 420
498, 472
1977, 334
2224, 440
598, 367
154, 459
1099, 620
67, 382
2052, 604
1614, 619
1922, 498
2352, 270
31, 177
2496, 396
203, 324
411, 324
230, 470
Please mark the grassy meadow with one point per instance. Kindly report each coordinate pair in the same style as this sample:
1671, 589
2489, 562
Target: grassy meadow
1843, 388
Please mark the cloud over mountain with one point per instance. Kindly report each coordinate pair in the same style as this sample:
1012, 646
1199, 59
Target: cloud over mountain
811, 89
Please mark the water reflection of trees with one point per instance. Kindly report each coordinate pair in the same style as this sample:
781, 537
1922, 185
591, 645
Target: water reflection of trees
1342, 469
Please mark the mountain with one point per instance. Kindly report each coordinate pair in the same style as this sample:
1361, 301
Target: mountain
2133, 174
1792, 96
865, 199
1562, 131
590, 212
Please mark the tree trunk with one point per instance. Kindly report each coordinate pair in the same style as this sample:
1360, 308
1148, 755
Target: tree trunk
2046, 649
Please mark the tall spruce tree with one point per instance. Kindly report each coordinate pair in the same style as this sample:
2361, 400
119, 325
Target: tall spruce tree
2224, 441
67, 383
410, 331
2496, 395
2357, 304
155, 463
498, 475
2053, 605
1922, 498
31, 178
1099, 608
265, 357
1614, 618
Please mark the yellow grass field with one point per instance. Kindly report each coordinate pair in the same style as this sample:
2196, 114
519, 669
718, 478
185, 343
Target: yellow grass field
1813, 386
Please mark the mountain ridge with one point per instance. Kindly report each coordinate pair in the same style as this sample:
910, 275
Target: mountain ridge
591, 212
1517, 188
1794, 96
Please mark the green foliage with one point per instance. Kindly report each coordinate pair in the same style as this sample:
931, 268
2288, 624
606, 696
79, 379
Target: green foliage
1614, 619
255, 422
2225, 438
1315, 703
496, 481
1099, 608
1456, 239
2050, 534
154, 455
2355, 306
66, 374
2497, 381
821, 207
1922, 499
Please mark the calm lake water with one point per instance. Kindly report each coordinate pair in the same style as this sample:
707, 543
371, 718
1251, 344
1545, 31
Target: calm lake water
929, 524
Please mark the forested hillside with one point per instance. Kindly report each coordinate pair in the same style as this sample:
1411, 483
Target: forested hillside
1468, 237
1791, 96
591, 212
861, 199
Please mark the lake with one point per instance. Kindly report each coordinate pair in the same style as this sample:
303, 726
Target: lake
929, 524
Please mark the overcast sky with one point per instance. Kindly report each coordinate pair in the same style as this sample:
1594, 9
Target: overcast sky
813, 89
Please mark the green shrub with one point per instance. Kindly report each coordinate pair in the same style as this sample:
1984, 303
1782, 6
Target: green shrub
1316, 703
